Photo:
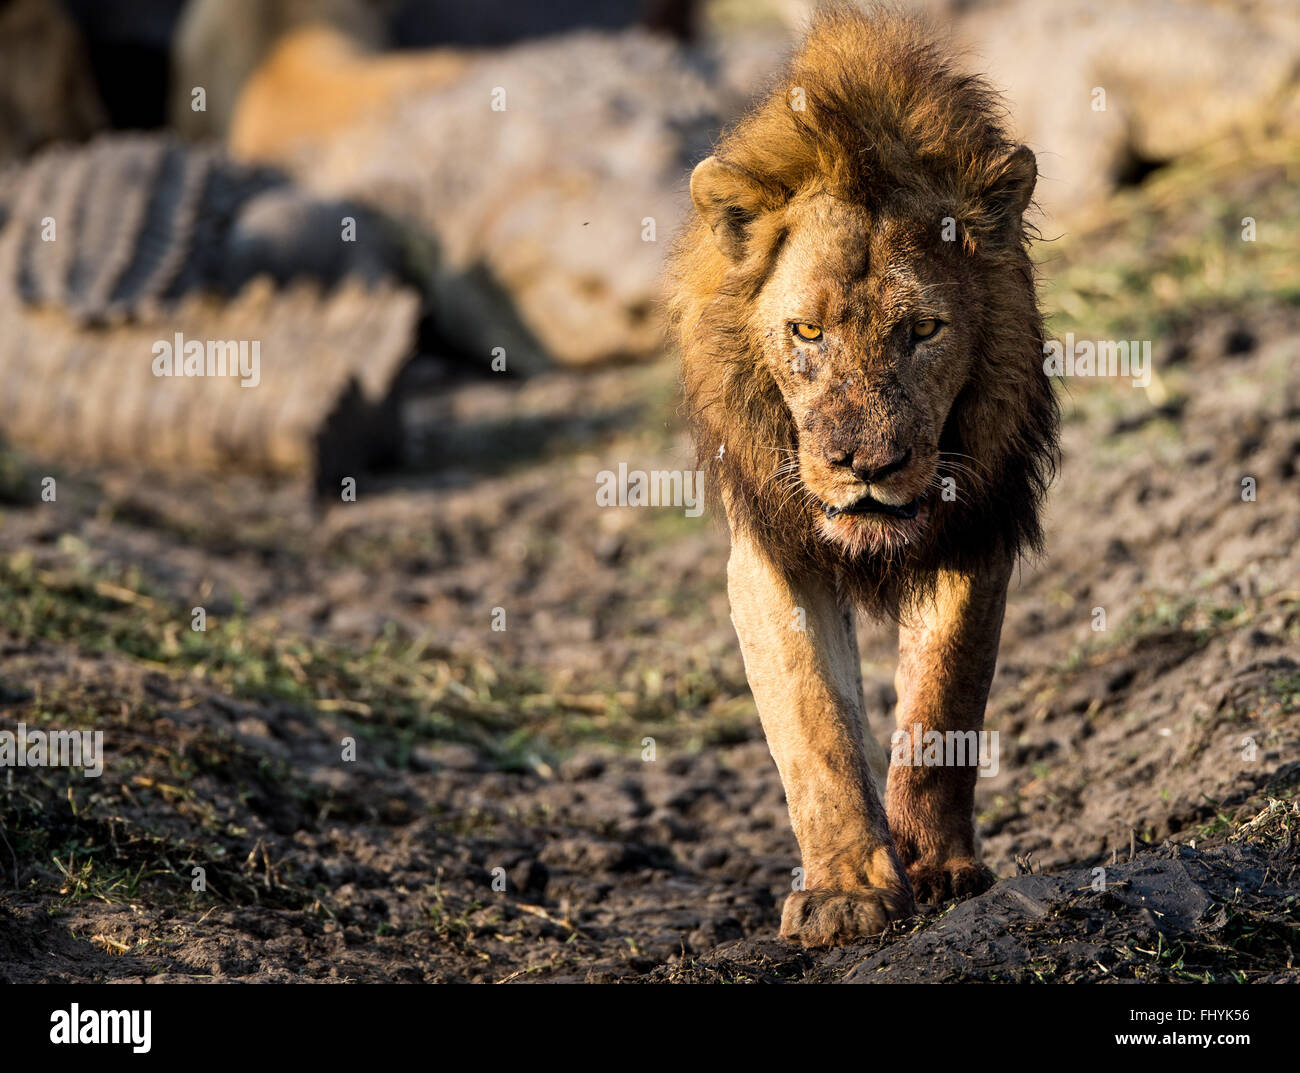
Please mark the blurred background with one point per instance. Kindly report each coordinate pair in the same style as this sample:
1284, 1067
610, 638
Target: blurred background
445, 226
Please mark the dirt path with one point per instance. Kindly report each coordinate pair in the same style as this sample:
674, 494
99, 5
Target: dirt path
520, 757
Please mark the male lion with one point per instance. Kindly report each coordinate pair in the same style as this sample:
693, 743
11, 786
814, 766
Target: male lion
862, 349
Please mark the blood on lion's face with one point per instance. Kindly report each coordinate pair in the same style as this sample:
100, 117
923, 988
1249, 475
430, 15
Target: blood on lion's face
866, 325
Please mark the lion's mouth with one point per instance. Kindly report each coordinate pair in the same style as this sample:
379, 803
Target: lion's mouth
867, 505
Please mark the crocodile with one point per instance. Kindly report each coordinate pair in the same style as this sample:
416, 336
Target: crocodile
110, 248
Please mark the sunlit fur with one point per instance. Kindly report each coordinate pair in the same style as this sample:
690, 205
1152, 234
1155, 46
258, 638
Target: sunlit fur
892, 140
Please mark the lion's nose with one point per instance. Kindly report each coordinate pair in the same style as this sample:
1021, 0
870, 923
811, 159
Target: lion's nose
866, 466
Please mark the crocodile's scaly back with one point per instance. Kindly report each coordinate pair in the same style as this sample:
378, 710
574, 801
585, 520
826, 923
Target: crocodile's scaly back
112, 251
103, 230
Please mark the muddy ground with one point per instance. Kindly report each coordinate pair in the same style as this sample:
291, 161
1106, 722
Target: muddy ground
1164, 748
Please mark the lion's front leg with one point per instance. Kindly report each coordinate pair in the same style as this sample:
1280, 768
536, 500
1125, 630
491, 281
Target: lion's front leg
947, 651
801, 659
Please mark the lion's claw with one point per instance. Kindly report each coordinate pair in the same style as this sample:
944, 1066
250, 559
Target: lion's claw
958, 877
837, 917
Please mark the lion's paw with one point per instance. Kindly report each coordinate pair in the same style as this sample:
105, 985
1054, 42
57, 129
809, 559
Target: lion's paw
957, 877
837, 917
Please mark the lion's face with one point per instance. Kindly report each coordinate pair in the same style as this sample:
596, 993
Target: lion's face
861, 331
867, 328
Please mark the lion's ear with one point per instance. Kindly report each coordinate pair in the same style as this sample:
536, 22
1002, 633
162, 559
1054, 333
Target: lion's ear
1007, 193
728, 200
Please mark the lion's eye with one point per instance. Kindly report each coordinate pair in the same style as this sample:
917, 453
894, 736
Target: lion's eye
809, 332
924, 329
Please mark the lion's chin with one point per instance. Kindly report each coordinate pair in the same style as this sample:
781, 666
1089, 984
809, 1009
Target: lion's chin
874, 534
